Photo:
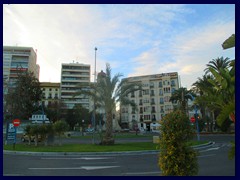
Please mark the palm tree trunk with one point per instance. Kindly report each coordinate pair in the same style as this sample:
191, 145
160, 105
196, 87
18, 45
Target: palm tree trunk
108, 139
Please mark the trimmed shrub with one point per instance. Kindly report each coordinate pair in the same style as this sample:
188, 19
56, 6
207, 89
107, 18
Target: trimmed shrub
176, 158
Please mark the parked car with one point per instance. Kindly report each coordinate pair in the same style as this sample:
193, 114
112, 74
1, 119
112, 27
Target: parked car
25, 138
89, 130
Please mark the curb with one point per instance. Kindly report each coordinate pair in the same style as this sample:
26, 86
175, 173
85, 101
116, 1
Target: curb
95, 153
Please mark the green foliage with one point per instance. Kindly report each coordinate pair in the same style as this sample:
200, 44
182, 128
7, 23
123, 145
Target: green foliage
176, 158
106, 93
229, 43
22, 100
181, 96
60, 127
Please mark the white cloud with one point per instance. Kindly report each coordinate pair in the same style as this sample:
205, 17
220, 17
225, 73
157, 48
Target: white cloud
134, 39
189, 52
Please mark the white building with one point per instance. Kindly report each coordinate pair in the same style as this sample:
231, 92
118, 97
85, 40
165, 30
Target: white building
152, 102
51, 92
16, 59
39, 118
72, 75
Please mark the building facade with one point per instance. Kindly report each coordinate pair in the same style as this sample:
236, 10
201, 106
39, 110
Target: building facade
51, 92
16, 60
152, 101
72, 75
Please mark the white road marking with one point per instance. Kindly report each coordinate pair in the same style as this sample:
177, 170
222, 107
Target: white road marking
81, 167
95, 163
98, 167
85, 158
211, 149
207, 155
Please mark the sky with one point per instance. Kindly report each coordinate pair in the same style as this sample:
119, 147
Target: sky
140, 39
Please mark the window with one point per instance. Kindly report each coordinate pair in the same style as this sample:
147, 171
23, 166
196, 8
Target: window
160, 84
160, 92
161, 101
152, 92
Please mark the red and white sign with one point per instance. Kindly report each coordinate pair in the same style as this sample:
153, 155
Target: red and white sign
16, 122
192, 119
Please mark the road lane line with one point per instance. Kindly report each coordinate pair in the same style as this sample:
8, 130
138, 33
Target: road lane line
85, 158
207, 155
83, 163
72, 168
210, 149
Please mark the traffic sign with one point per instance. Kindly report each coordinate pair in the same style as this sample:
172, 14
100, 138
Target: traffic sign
192, 119
16, 122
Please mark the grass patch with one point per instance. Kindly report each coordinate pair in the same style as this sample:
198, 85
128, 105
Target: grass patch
137, 146
116, 136
84, 147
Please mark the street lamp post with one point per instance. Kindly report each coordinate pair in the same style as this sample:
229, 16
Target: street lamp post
82, 127
196, 117
94, 108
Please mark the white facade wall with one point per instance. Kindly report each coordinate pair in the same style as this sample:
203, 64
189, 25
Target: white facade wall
153, 102
51, 92
73, 74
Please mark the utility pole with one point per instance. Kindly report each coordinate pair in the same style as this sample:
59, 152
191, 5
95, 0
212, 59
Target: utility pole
94, 108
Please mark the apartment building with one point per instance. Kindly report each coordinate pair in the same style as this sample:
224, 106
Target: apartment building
152, 102
72, 75
51, 92
15, 60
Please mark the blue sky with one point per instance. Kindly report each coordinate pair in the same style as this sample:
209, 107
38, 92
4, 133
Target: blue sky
134, 39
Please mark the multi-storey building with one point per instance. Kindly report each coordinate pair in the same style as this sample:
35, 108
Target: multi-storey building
51, 92
18, 59
15, 60
72, 75
152, 101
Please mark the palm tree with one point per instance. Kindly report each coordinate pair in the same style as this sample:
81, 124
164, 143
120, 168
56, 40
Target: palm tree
106, 93
218, 63
229, 43
204, 88
181, 96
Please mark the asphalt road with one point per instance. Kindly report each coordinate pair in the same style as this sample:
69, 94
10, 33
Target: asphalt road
213, 161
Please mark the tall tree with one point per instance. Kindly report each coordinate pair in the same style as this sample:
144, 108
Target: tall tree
106, 93
217, 64
22, 100
181, 96
205, 89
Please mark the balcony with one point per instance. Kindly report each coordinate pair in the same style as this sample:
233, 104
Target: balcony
152, 102
153, 111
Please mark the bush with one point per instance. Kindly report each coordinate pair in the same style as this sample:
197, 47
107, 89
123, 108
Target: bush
176, 158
